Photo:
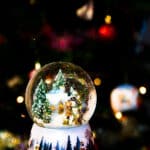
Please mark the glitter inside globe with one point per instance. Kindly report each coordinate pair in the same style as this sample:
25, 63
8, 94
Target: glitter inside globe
60, 94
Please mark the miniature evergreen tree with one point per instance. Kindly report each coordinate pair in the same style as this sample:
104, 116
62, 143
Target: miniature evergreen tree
59, 80
41, 144
44, 145
57, 146
69, 147
77, 147
90, 145
50, 146
40, 107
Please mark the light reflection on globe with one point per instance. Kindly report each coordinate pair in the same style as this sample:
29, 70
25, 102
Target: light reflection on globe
60, 94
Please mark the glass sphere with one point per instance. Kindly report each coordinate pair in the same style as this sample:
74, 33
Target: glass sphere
60, 94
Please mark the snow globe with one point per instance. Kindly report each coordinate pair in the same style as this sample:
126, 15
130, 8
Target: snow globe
125, 102
124, 97
61, 99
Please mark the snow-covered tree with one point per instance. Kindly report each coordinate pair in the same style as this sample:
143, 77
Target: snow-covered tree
59, 80
40, 107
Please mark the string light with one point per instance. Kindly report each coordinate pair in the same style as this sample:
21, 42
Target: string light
142, 90
20, 99
97, 81
118, 115
37, 65
108, 19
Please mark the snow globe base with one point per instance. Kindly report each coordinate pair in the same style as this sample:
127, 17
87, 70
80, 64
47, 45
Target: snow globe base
75, 138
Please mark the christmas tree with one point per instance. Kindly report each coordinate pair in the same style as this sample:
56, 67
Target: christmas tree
59, 80
40, 107
44, 145
57, 146
77, 147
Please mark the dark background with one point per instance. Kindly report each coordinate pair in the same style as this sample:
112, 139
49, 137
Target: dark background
115, 61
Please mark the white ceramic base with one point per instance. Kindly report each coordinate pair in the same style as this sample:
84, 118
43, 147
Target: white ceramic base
74, 138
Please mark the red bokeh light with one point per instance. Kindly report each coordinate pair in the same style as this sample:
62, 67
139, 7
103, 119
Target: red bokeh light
107, 31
